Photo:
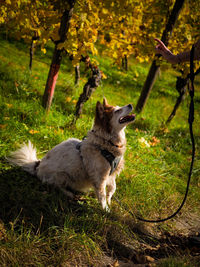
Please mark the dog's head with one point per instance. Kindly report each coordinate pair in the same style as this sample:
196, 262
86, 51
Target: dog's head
113, 118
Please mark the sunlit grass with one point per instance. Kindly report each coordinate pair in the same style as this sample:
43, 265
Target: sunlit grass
38, 222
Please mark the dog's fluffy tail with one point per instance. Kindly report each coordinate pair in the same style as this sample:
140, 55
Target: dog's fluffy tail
25, 157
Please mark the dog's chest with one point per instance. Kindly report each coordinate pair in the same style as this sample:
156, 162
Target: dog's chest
107, 155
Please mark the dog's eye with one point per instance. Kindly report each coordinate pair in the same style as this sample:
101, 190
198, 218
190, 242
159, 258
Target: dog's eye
118, 111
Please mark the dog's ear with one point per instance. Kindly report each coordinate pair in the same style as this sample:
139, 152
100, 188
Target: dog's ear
105, 102
99, 110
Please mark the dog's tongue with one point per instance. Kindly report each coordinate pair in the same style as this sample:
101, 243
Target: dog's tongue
127, 118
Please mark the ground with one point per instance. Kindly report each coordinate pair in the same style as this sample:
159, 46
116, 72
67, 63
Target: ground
39, 225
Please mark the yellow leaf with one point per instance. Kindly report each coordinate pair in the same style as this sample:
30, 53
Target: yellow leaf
136, 74
33, 131
103, 75
129, 47
43, 50
115, 54
104, 11
9, 105
68, 99
94, 50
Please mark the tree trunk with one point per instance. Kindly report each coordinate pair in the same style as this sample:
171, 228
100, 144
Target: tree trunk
31, 51
52, 78
125, 63
57, 57
152, 75
177, 104
92, 83
77, 74
181, 87
31, 54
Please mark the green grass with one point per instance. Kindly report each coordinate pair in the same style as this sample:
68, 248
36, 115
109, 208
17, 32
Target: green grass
37, 223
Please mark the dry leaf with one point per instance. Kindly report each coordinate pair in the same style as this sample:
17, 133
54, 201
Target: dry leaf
143, 142
33, 131
154, 141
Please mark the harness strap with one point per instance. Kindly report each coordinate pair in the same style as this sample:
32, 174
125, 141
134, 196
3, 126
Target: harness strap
78, 146
37, 163
113, 161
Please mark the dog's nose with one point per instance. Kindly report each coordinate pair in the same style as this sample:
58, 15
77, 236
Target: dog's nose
130, 106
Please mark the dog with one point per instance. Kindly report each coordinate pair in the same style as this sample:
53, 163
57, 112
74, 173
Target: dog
94, 162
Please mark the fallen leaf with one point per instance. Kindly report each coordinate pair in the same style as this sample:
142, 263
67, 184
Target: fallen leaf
143, 142
154, 141
16, 84
2, 126
33, 131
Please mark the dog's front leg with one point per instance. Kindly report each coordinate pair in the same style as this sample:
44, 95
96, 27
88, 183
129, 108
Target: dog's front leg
100, 190
111, 187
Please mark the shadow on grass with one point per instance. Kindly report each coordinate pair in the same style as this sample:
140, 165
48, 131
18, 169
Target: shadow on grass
23, 198
25, 201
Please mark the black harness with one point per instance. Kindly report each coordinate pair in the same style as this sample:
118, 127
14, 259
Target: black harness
113, 161
37, 163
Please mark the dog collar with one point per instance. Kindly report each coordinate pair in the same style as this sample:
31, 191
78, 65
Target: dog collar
109, 141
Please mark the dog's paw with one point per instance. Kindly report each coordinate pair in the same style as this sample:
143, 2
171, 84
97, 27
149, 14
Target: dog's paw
107, 209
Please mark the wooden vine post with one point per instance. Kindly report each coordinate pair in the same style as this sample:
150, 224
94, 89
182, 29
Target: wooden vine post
31, 50
154, 69
57, 57
91, 85
181, 87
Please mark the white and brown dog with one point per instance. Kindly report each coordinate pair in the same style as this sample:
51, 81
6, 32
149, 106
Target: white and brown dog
76, 165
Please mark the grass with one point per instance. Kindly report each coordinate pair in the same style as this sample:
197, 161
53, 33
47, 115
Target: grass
37, 223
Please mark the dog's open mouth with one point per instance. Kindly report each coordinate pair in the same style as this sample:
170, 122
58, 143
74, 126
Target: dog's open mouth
127, 118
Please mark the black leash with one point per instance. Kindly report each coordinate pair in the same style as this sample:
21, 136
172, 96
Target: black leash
190, 121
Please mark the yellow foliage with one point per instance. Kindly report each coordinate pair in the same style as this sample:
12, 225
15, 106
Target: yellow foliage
123, 27
104, 11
